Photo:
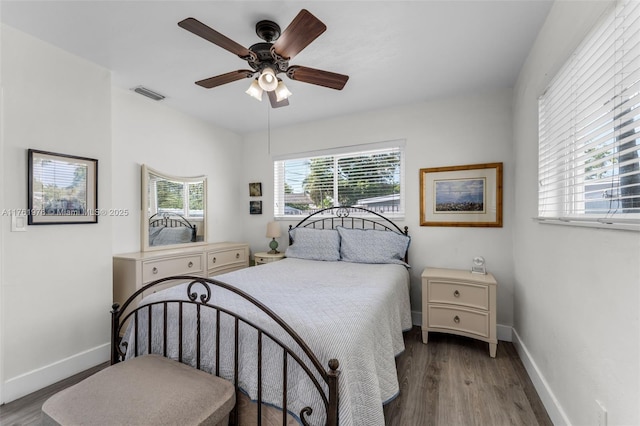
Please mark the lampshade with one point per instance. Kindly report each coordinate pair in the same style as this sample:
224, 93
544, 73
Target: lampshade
282, 92
268, 80
255, 91
273, 230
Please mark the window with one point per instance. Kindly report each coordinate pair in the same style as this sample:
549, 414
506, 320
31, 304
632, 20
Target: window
371, 177
176, 197
588, 157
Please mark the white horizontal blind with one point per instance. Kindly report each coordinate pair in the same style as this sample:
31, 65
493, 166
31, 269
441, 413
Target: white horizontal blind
175, 197
589, 166
372, 178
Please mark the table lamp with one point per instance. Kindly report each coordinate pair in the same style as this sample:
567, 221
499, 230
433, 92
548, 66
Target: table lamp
273, 231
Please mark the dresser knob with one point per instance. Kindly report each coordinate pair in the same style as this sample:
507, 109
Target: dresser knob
237, 255
456, 293
190, 265
456, 319
214, 260
154, 270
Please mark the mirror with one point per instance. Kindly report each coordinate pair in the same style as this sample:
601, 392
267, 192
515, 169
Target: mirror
173, 210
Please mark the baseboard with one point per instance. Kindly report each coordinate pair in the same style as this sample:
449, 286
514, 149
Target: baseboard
26, 383
504, 332
550, 402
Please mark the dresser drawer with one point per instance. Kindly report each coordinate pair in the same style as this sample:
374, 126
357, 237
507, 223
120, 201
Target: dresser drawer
465, 320
456, 293
225, 258
187, 265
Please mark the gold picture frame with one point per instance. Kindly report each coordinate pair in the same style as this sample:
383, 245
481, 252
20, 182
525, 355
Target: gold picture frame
469, 195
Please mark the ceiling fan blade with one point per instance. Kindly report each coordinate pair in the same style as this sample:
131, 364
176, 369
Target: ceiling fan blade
221, 79
328, 79
301, 31
274, 100
208, 33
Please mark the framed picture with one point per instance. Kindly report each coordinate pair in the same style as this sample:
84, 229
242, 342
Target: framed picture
255, 207
63, 189
461, 195
255, 189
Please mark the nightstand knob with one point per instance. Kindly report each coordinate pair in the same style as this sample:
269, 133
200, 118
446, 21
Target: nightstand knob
190, 265
237, 255
456, 319
456, 293
154, 270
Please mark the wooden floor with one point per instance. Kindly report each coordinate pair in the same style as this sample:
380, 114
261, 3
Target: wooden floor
452, 381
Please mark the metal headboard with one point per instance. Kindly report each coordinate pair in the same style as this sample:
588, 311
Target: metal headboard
168, 220
349, 217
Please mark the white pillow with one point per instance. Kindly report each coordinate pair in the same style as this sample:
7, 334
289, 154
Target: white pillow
373, 246
314, 244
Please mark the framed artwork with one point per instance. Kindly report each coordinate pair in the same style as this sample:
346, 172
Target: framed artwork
255, 189
461, 195
63, 189
255, 207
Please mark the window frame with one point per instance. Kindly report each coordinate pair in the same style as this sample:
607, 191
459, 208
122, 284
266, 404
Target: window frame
337, 153
565, 148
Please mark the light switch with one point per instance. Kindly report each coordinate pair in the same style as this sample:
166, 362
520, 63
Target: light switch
18, 223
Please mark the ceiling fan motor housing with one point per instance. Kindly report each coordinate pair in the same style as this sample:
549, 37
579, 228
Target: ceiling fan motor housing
269, 31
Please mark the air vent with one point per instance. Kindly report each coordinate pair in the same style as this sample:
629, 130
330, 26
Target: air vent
148, 93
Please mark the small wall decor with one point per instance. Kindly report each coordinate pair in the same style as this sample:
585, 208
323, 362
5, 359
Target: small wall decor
255, 207
63, 189
461, 195
255, 189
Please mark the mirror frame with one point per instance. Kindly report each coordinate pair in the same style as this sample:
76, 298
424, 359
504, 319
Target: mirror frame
144, 217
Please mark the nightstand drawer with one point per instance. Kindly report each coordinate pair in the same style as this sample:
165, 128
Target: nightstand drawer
462, 294
261, 259
188, 265
465, 320
224, 258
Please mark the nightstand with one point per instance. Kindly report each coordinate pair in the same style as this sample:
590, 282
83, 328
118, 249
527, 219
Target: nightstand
459, 302
264, 257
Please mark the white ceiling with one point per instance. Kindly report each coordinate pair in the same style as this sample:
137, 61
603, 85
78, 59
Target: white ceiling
395, 52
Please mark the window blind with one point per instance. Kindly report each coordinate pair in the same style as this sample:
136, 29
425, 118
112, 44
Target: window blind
588, 157
370, 178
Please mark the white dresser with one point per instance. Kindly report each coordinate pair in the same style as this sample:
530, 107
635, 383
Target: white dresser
459, 302
131, 271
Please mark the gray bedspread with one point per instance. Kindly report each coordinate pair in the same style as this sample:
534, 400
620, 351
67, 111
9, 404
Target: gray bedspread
353, 312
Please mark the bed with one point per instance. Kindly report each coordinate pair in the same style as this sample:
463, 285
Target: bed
313, 337
165, 228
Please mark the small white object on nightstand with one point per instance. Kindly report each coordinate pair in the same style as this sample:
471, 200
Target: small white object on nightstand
264, 257
478, 266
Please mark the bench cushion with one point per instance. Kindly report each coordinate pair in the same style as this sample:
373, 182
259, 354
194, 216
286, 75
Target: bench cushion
147, 390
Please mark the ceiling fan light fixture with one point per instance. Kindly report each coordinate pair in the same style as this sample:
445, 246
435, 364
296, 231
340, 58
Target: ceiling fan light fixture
255, 91
268, 80
282, 92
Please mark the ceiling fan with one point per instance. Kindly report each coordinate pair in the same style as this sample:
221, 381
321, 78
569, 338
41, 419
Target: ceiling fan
271, 57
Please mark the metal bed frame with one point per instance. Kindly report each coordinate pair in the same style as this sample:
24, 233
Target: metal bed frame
168, 220
326, 385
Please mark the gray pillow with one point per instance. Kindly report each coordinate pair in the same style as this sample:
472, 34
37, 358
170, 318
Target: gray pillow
373, 246
314, 244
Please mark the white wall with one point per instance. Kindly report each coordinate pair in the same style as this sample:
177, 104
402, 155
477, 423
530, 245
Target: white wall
466, 130
56, 279
148, 132
576, 289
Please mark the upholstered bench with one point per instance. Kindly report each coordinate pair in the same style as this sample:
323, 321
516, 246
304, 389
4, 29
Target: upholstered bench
147, 390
